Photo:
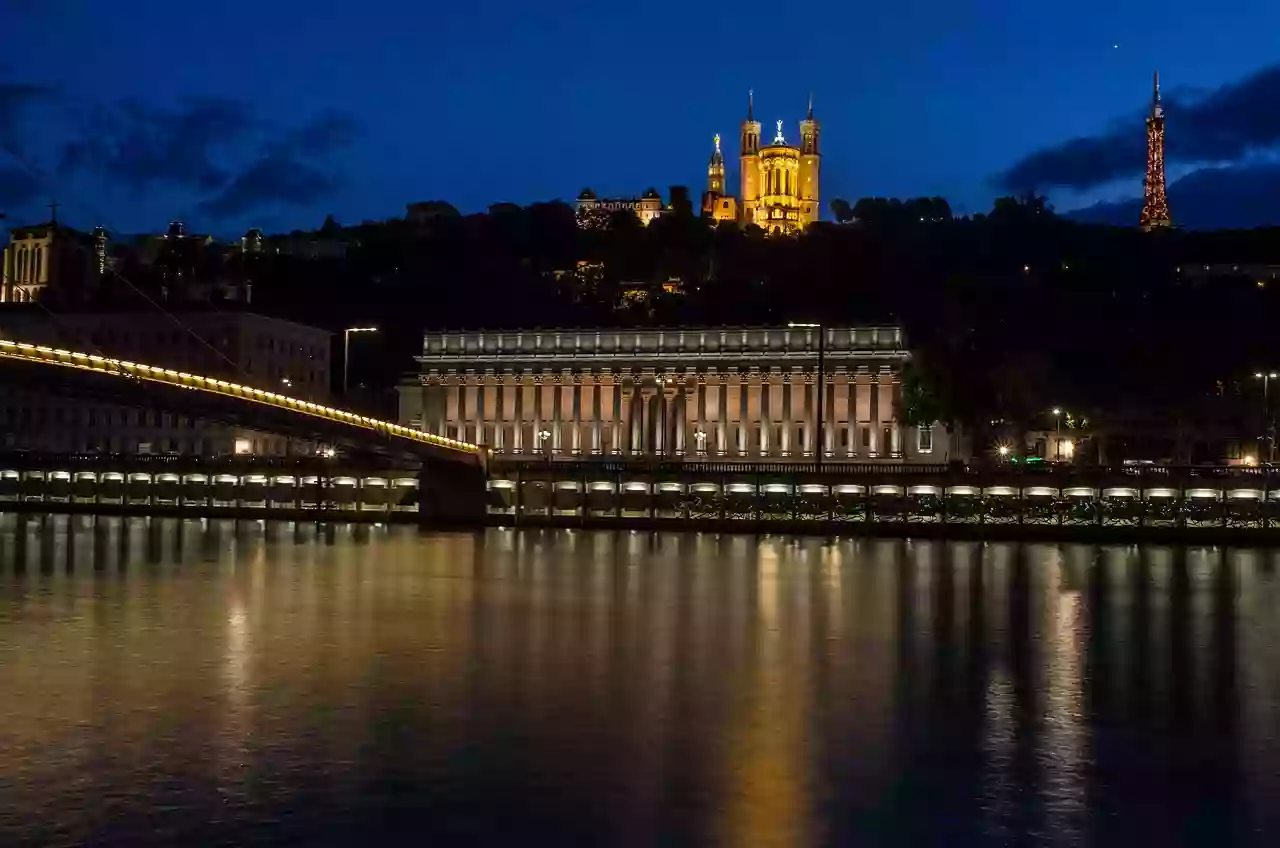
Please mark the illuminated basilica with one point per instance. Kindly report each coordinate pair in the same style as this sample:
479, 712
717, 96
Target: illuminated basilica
778, 181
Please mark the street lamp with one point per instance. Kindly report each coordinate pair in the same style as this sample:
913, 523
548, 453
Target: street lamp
543, 435
822, 337
1057, 433
1266, 378
701, 438
346, 351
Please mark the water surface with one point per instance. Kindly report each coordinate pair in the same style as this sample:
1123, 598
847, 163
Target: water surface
213, 683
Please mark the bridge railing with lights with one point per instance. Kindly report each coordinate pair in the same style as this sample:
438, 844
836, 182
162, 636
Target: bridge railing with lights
121, 368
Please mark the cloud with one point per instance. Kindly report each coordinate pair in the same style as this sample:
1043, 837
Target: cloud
325, 133
218, 150
286, 172
19, 182
15, 100
18, 186
1225, 125
270, 180
140, 145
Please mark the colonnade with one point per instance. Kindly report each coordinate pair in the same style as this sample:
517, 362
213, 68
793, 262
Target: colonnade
755, 413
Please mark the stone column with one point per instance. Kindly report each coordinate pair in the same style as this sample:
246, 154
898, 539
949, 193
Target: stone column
767, 446
557, 418
644, 432
517, 435
575, 443
616, 426
482, 409
682, 415
722, 415
499, 411
828, 413
873, 393
535, 442
596, 415
809, 415
700, 412
788, 416
438, 405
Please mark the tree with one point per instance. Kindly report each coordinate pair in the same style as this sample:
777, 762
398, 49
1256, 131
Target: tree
841, 210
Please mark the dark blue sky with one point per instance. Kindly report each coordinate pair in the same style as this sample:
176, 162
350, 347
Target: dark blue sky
276, 113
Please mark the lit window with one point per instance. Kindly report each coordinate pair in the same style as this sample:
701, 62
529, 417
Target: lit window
243, 446
924, 440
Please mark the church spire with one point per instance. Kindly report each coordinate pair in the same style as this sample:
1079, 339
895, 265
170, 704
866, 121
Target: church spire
751, 102
715, 170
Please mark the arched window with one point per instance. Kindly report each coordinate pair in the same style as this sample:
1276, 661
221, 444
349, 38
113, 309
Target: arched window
39, 266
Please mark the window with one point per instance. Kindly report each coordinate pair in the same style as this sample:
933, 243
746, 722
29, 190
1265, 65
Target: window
844, 438
866, 437
924, 440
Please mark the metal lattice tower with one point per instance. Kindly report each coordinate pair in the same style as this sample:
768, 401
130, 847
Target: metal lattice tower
1155, 207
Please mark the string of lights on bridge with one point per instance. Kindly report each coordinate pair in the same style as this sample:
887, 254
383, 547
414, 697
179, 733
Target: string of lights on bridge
121, 368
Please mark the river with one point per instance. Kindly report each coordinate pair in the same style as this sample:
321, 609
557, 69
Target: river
204, 682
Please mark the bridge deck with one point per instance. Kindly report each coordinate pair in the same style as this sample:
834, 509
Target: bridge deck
122, 369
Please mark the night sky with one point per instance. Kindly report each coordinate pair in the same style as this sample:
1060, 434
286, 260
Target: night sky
133, 114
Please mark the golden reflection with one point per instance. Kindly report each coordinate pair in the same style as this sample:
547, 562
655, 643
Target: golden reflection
693, 688
1065, 739
767, 794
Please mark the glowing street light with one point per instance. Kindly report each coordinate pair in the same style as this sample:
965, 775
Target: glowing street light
1057, 432
346, 351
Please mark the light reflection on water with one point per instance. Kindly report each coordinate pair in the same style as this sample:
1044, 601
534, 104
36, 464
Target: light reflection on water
215, 683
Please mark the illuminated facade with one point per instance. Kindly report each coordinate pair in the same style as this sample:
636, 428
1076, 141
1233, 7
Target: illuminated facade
779, 181
1155, 207
749, 393
595, 211
51, 257
715, 203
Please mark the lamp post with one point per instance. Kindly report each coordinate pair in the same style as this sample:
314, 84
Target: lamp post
1057, 434
543, 436
346, 352
1266, 378
821, 422
701, 439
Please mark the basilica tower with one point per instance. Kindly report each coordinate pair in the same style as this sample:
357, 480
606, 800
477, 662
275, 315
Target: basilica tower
810, 169
750, 162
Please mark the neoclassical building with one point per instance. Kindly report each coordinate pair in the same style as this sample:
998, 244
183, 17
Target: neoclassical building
721, 393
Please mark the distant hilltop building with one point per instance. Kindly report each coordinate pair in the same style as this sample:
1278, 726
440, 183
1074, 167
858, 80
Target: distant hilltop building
51, 257
779, 183
594, 210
